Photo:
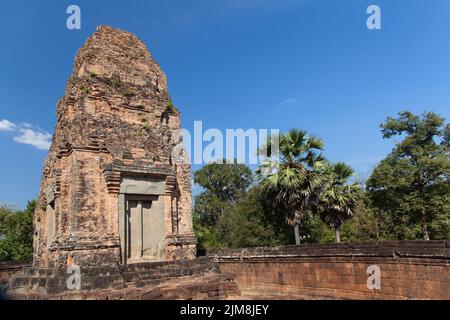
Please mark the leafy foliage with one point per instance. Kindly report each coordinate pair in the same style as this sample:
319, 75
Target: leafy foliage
209, 207
17, 229
170, 107
115, 80
128, 93
338, 201
411, 187
296, 183
227, 182
247, 224
407, 196
228, 214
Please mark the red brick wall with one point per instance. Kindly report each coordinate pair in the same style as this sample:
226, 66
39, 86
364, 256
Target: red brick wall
409, 270
8, 269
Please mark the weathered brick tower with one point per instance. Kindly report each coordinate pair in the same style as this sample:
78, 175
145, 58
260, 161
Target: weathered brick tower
111, 191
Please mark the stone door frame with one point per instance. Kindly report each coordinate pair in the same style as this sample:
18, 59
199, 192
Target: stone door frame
138, 189
139, 199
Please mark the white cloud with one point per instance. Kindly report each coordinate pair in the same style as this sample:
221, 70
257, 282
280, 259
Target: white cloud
289, 101
6, 125
26, 133
40, 140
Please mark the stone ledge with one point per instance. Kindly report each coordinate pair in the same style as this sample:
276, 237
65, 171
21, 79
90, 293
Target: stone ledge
439, 250
206, 287
408, 270
53, 281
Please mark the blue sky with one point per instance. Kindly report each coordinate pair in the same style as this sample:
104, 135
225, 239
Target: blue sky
309, 64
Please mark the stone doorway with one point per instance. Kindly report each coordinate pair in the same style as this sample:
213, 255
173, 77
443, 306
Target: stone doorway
144, 230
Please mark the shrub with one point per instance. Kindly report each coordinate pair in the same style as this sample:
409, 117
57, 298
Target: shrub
85, 90
115, 80
170, 106
146, 126
129, 93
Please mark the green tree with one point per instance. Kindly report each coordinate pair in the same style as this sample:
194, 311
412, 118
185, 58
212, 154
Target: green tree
208, 208
367, 225
313, 230
223, 184
296, 183
411, 187
227, 181
247, 224
17, 230
339, 200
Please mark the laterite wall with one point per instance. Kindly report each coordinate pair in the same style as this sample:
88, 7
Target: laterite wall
409, 270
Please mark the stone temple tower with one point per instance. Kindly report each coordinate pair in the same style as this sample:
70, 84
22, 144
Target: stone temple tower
112, 192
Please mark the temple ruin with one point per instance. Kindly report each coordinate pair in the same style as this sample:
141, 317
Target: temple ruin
116, 201
112, 192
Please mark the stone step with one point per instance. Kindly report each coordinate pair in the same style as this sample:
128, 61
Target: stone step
54, 281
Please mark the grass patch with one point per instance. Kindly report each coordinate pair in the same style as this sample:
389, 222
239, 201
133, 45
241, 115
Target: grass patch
129, 93
145, 126
115, 80
170, 106
85, 90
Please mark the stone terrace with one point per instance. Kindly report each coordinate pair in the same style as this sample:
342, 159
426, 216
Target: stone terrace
185, 279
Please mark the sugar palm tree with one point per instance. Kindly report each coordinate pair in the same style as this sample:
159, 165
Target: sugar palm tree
339, 200
293, 182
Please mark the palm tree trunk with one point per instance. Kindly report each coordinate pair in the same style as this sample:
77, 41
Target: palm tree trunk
337, 233
297, 234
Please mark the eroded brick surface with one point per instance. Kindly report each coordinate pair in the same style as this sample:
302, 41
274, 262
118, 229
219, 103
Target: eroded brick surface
115, 120
198, 279
409, 270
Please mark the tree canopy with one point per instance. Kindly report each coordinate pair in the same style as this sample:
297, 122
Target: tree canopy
230, 212
296, 183
226, 181
16, 227
407, 197
339, 200
411, 186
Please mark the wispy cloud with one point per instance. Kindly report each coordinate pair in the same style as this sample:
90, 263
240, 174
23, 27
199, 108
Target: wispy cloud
6, 125
40, 140
288, 101
26, 133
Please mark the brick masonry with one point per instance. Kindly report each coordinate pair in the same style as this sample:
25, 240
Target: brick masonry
115, 121
198, 279
9, 269
409, 270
